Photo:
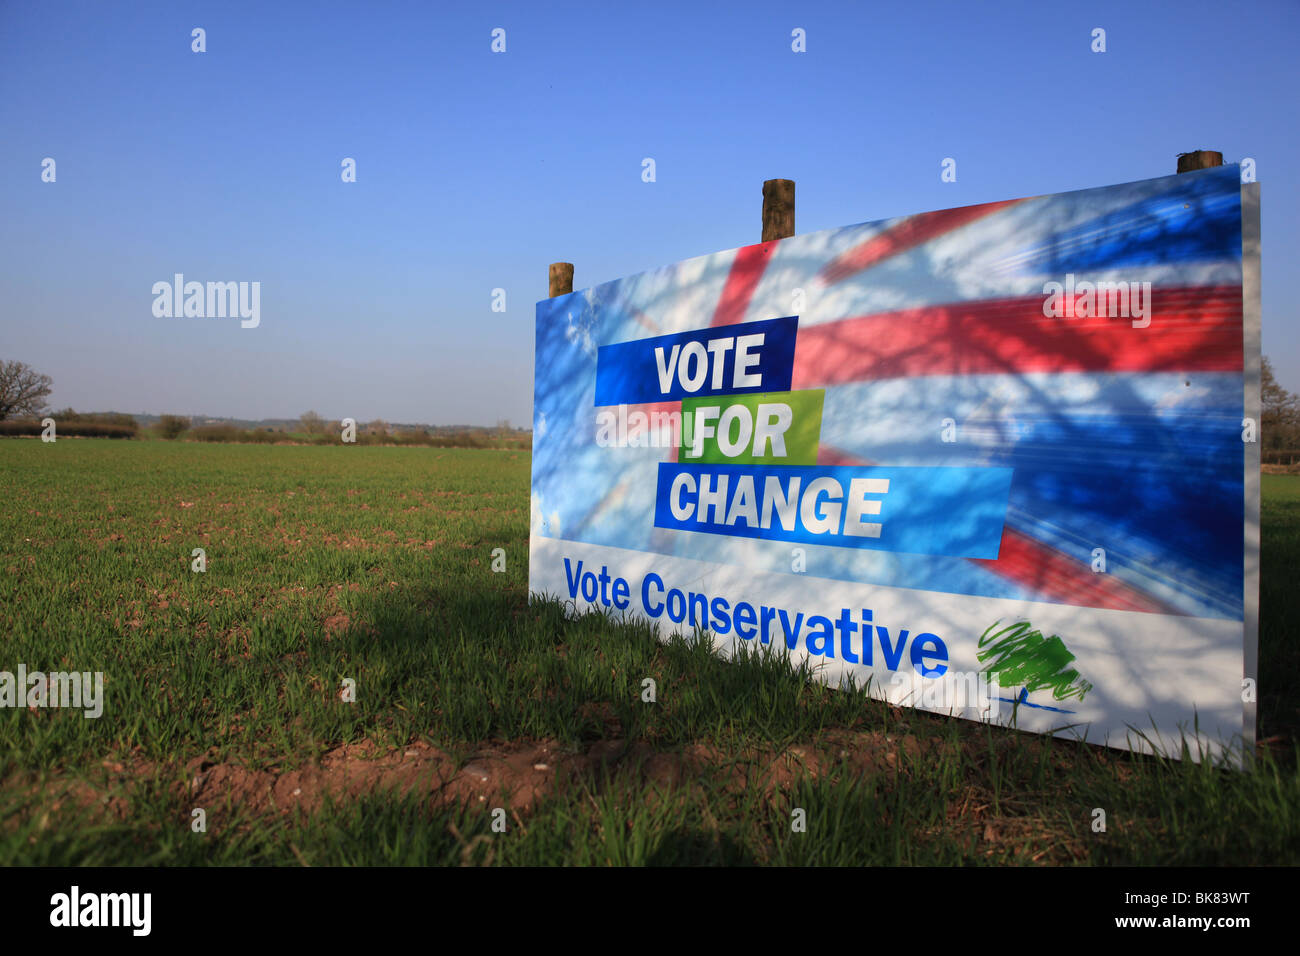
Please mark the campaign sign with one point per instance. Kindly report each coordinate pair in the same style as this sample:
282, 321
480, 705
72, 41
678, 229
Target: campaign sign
997, 461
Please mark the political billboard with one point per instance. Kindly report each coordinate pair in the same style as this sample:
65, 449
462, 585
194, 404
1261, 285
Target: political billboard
996, 461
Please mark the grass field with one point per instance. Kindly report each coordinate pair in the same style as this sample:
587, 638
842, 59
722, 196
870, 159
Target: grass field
372, 566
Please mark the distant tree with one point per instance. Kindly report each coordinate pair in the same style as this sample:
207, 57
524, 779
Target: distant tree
377, 427
170, 426
23, 390
312, 423
69, 415
1280, 418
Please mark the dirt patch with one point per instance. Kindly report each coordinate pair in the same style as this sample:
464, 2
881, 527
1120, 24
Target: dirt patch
335, 624
515, 775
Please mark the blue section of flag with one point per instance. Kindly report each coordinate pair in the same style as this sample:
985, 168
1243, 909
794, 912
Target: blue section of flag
1147, 467
660, 369
1197, 219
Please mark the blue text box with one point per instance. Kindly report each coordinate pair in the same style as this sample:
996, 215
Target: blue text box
925, 510
629, 373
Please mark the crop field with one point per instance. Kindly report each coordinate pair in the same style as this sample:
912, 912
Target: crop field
348, 680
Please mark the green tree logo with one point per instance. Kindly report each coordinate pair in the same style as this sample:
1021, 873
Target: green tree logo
1019, 656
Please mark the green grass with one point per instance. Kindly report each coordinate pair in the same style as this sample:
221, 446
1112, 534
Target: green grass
1279, 631
374, 564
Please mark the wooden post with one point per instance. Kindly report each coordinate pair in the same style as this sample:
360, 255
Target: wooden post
1199, 159
778, 209
561, 278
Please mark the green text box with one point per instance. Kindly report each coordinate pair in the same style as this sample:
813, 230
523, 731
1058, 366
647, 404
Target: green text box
758, 416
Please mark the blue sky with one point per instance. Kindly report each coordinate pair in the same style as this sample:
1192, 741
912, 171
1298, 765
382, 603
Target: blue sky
475, 170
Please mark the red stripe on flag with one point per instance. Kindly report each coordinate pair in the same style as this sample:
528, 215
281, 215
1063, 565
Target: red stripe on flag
1192, 329
751, 261
1062, 579
911, 232
746, 270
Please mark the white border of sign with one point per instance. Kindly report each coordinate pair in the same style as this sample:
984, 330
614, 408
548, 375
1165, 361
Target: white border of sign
1251, 350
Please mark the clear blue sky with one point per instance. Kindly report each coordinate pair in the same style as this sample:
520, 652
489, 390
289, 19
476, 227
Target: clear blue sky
475, 170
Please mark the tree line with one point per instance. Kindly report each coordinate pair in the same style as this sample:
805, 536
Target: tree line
23, 392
